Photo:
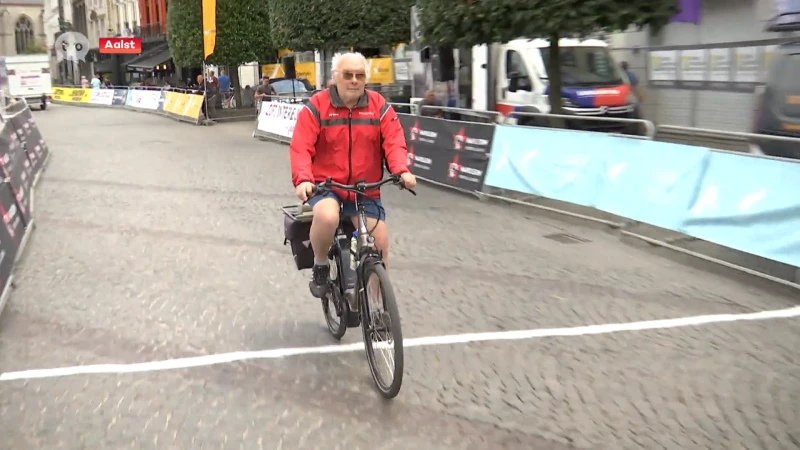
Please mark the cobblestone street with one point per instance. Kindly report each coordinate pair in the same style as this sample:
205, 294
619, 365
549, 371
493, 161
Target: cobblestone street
160, 240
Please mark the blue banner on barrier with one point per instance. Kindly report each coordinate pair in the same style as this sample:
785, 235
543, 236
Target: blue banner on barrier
745, 203
647, 181
749, 204
652, 182
549, 163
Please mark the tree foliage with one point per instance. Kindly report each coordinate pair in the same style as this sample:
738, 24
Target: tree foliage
243, 35
185, 32
471, 22
243, 32
464, 23
322, 24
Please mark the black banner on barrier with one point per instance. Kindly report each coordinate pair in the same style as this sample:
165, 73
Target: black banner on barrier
11, 224
455, 153
8, 246
35, 147
161, 101
120, 96
16, 167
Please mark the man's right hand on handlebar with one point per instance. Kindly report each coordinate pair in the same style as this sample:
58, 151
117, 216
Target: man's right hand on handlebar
304, 190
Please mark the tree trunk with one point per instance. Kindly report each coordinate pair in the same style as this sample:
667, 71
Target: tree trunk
236, 85
554, 75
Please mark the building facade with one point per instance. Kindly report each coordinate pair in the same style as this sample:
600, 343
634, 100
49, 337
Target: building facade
153, 17
22, 27
127, 12
724, 28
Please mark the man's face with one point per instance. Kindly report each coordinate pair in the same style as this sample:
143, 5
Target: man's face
265, 81
199, 79
351, 79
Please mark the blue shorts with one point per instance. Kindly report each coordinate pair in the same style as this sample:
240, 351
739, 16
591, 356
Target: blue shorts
372, 207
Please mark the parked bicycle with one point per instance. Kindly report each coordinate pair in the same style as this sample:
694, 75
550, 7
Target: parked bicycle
372, 304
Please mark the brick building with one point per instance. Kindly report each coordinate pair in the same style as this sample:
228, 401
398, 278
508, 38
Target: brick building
153, 17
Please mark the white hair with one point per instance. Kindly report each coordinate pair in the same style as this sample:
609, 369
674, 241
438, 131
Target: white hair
338, 58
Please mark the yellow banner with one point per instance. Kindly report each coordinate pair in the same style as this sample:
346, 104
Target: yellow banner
183, 105
72, 95
194, 106
209, 27
381, 70
306, 70
170, 100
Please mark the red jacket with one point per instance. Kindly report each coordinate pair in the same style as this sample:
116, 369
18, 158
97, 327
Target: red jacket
329, 140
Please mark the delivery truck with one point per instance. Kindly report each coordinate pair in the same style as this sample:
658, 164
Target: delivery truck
26, 77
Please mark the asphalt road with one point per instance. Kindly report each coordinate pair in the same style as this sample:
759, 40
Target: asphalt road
159, 240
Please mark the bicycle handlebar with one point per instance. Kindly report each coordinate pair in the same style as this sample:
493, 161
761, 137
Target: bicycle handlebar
360, 187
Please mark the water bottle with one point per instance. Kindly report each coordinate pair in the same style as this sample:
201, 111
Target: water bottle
353, 250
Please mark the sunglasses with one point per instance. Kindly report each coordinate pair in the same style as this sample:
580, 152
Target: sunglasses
361, 76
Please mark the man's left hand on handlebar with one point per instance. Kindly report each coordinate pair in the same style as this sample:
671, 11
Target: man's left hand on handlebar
409, 180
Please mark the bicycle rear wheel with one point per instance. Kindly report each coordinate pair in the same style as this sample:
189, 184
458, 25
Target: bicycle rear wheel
380, 323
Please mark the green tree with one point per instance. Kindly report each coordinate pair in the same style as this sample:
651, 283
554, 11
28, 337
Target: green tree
303, 25
465, 23
243, 35
185, 32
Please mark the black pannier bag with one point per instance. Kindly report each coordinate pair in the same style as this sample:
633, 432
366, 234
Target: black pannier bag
297, 227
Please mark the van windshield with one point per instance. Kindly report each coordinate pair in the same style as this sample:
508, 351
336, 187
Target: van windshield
586, 66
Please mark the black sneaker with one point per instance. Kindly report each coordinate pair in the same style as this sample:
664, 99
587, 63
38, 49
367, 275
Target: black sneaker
319, 280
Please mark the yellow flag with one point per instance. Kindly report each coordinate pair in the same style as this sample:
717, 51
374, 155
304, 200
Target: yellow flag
209, 27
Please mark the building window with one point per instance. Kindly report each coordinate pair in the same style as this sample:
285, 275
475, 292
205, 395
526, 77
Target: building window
23, 34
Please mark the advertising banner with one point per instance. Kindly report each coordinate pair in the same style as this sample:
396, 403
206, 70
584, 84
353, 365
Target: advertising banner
748, 204
120, 97
71, 95
161, 101
170, 101
143, 99
11, 222
730, 69
101, 97
9, 243
14, 163
278, 118
454, 153
194, 106
35, 147
183, 106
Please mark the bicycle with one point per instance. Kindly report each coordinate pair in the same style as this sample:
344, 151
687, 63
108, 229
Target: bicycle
228, 100
358, 310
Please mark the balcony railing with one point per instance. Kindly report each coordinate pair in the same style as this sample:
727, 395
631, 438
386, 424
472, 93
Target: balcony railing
152, 31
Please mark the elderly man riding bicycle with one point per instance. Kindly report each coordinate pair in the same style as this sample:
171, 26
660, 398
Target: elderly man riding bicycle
346, 133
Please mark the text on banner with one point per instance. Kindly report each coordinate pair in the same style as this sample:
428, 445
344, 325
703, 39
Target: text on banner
455, 153
278, 118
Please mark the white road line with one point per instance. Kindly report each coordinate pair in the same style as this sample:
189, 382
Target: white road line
198, 361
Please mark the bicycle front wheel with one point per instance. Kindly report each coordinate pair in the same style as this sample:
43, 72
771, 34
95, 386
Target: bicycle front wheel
380, 323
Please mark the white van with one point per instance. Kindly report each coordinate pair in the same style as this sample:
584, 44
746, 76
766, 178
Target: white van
28, 77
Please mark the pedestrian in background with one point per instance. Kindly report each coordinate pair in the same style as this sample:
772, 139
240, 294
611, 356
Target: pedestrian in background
265, 91
634, 81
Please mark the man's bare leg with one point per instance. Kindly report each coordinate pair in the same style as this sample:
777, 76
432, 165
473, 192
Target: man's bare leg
323, 229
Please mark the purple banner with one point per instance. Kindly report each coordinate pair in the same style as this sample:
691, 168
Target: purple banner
689, 11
